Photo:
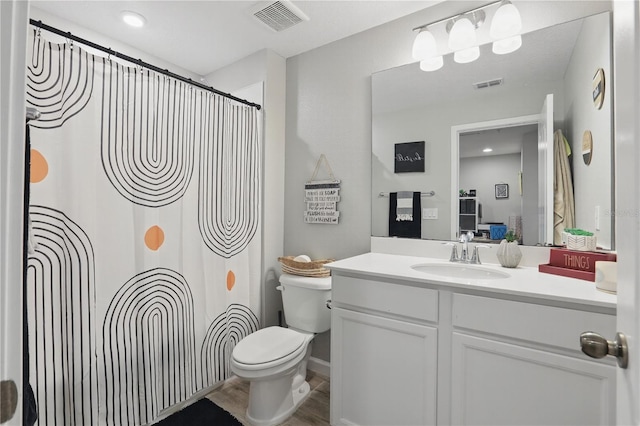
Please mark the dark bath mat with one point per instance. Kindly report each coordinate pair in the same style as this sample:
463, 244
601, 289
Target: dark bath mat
201, 413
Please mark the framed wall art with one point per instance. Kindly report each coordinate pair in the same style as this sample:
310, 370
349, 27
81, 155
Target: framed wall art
409, 157
502, 190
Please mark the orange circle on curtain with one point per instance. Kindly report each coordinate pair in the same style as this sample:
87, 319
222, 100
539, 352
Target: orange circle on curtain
231, 280
39, 167
154, 237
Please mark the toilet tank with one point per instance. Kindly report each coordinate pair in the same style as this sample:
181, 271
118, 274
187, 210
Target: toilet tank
305, 302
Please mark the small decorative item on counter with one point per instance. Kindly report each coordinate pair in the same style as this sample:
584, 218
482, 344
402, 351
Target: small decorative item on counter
579, 239
607, 276
303, 265
509, 253
574, 263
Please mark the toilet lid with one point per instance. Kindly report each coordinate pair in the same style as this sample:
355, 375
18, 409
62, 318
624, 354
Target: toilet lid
268, 344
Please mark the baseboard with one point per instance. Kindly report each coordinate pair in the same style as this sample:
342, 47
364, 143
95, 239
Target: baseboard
319, 366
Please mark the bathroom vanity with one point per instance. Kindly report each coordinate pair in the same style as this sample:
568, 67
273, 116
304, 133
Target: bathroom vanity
419, 341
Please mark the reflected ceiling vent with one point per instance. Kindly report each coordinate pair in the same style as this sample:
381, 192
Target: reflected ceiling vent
488, 83
278, 15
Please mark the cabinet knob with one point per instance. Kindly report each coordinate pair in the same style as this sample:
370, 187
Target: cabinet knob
596, 346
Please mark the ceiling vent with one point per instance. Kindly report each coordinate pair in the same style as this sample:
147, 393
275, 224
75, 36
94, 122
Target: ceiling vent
488, 83
278, 15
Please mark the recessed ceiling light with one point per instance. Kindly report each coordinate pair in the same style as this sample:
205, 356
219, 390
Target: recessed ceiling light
132, 18
487, 150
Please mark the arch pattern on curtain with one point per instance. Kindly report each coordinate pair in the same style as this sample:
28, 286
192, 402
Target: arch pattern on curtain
153, 309
148, 134
223, 334
229, 183
61, 293
59, 81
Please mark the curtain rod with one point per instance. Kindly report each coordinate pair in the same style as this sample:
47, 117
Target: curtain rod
139, 62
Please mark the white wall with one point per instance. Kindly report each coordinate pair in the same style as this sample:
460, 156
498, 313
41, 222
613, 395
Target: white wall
593, 182
267, 67
13, 16
482, 174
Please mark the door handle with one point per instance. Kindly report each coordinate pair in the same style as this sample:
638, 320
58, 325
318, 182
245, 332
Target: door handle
597, 346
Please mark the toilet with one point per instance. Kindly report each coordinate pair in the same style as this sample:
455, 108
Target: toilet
274, 359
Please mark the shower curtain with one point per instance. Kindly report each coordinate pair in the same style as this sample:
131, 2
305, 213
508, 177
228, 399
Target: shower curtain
145, 211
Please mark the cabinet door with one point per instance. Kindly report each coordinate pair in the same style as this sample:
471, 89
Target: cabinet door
383, 371
496, 383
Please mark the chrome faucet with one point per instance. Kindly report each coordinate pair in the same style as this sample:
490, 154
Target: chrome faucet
464, 257
464, 239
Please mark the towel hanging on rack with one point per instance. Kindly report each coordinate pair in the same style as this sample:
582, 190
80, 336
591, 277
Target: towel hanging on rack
404, 206
405, 228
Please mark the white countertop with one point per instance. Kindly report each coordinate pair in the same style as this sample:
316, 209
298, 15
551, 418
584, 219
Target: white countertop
523, 281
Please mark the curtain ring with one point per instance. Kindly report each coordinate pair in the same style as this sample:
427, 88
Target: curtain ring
38, 32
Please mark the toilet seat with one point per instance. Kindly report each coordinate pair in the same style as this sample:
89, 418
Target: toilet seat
269, 347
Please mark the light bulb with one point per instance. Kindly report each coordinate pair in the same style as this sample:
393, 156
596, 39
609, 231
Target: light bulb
462, 35
507, 45
465, 56
506, 22
432, 64
132, 18
424, 46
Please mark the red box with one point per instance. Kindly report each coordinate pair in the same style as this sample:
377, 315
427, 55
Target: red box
566, 272
578, 260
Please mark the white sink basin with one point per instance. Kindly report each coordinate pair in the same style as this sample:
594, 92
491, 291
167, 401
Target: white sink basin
455, 270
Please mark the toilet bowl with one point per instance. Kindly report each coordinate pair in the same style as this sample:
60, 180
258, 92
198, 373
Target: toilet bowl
274, 359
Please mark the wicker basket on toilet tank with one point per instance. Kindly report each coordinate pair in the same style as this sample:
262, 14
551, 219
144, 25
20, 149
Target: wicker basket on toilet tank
313, 268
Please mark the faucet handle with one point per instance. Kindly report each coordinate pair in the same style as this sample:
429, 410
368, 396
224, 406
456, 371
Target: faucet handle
475, 258
454, 252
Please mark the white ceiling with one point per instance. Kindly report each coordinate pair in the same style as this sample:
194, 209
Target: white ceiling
203, 36
506, 140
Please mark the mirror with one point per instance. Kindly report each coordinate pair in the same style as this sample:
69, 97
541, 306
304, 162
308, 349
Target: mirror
446, 111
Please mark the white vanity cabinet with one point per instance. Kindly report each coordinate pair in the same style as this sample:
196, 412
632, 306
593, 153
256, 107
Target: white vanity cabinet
422, 353
383, 353
515, 363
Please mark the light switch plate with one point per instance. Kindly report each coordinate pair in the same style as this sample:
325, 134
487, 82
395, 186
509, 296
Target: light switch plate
429, 213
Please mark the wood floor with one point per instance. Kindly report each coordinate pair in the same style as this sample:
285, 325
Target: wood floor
233, 396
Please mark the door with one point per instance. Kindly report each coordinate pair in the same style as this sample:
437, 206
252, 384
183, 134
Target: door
545, 172
626, 39
13, 21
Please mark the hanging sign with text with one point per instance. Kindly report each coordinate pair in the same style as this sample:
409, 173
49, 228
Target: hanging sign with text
321, 198
409, 157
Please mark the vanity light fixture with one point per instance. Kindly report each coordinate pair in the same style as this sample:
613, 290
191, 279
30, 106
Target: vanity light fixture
505, 30
133, 19
426, 51
506, 21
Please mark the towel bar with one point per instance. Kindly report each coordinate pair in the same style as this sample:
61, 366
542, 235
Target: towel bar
422, 194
